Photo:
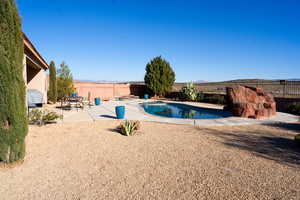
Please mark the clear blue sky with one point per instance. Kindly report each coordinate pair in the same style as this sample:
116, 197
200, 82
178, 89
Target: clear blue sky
203, 40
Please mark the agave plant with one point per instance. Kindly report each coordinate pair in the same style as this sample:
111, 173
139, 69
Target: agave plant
128, 128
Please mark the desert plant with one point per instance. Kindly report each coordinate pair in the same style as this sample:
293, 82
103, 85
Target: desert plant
42, 117
13, 117
189, 92
52, 93
159, 77
128, 128
64, 81
293, 108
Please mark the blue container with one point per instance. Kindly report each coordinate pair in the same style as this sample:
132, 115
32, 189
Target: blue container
97, 101
120, 112
74, 94
146, 96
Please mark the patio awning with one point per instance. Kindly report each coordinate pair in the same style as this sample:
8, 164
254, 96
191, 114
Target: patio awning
33, 58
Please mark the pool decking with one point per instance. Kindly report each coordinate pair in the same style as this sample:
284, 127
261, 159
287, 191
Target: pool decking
106, 111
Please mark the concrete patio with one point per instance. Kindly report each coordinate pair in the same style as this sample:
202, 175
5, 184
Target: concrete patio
106, 111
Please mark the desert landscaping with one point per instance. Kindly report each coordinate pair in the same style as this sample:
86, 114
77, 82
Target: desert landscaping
149, 100
90, 160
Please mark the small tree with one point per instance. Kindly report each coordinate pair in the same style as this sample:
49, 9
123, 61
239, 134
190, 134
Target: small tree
64, 81
13, 117
52, 93
159, 77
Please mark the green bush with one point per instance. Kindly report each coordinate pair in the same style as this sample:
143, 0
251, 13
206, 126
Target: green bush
189, 93
293, 108
13, 115
128, 128
42, 117
64, 82
159, 77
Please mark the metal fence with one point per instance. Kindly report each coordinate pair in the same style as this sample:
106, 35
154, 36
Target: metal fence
283, 88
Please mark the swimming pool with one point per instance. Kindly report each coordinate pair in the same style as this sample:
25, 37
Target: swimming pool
176, 110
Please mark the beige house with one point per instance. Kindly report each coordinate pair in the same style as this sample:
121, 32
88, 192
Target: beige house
34, 73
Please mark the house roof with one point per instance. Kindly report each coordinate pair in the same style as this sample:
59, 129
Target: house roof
32, 54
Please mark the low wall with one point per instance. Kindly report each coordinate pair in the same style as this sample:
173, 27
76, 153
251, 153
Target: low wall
105, 91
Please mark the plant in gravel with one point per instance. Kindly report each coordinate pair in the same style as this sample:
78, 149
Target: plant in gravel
128, 127
297, 139
42, 117
13, 117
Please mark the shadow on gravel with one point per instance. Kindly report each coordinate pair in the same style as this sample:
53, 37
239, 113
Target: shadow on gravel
269, 144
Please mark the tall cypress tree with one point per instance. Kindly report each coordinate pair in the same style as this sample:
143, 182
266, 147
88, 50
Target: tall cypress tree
13, 116
52, 93
159, 77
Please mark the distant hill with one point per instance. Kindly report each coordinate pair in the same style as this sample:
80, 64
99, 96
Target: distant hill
249, 81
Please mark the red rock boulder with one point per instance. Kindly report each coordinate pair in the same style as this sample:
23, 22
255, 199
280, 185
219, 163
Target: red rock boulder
250, 102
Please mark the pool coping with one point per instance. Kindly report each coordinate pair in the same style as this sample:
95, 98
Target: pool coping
134, 111
229, 121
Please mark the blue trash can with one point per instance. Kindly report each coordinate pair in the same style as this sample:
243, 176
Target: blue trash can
120, 112
97, 101
146, 96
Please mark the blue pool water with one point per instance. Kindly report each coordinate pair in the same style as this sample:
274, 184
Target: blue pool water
174, 110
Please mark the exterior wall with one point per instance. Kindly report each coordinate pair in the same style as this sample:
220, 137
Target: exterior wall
105, 91
39, 82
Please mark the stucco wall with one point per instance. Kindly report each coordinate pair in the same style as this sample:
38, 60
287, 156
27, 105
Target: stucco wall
105, 91
39, 82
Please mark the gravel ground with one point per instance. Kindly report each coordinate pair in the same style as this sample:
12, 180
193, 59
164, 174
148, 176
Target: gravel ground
163, 161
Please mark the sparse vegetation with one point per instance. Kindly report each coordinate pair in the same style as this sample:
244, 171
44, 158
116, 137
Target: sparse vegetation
42, 117
13, 117
159, 77
128, 127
